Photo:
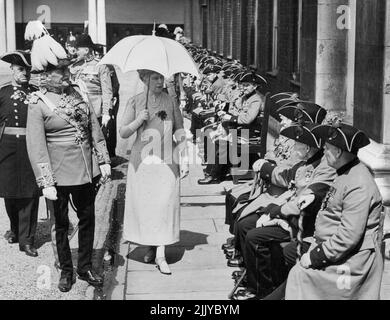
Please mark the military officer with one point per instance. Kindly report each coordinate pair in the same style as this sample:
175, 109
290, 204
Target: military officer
67, 151
95, 84
17, 181
345, 261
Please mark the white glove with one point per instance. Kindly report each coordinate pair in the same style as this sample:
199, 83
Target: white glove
305, 200
258, 165
184, 168
182, 104
105, 170
226, 117
105, 119
50, 193
263, 220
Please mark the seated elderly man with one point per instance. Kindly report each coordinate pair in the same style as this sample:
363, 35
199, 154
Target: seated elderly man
235, 202
252, 105
344, 261
260, 233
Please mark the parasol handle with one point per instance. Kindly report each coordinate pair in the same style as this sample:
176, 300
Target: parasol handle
154, 28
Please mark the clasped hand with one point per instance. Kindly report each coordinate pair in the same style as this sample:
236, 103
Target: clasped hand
105, 170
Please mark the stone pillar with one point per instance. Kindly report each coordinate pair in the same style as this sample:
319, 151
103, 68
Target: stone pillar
101, 23
3, 28
188, 19
332, 53
196, 24
92, 20
10, 14
377, 154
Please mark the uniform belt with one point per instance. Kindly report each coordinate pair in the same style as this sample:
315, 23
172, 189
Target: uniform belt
13, 131
60, 139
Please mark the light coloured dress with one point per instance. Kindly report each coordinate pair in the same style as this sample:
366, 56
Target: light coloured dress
152, 208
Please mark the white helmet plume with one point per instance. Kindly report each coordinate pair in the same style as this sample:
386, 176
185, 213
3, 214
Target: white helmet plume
45, 49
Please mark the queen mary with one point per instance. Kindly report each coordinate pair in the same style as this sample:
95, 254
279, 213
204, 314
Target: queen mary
157, 161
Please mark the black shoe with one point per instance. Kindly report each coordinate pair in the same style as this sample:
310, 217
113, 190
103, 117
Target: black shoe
66, 282
11, 237
236, 262
29, 250
243, 295
237, 274
229, 243
243, 283
209, 180
91, 277
231, 254
228, 247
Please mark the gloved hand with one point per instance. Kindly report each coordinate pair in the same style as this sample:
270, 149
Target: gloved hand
105, 119
105, 170
258, 164
50, 193
305, 200
184, 168
263, 220
306, 261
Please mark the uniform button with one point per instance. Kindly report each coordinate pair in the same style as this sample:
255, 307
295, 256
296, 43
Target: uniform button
323, 261
318, 250
17, 136
16, 124
16, 110
16, 117
15, 104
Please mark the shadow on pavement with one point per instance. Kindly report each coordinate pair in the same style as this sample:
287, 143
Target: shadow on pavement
174, 253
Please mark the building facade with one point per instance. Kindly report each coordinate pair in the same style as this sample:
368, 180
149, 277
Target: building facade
106, 21
334, 52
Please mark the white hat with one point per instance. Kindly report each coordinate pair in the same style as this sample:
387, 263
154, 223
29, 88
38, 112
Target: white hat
178, 30
163, 26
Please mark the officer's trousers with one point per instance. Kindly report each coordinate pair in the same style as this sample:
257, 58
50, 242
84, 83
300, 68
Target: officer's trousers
23, 215
83, 198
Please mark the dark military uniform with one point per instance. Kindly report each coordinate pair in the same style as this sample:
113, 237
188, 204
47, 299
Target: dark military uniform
63, 134
17, 181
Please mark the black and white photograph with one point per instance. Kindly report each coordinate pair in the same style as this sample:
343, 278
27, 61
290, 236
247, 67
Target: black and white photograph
194, 154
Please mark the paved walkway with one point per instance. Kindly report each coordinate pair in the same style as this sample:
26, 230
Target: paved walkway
198, 266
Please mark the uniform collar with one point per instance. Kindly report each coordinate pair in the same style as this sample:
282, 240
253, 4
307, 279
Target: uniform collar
247, 97
348, 166
316, 157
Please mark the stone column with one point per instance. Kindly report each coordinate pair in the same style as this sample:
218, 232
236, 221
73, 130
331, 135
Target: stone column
101, 23
92, 20
10, 14
332, 53
3, 29
377, 154
188, 19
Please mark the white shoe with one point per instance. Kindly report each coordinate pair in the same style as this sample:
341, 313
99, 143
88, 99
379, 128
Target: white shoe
150, 255
162, 266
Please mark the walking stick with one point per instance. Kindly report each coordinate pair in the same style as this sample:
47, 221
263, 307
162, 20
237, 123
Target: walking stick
299, 235
238, 283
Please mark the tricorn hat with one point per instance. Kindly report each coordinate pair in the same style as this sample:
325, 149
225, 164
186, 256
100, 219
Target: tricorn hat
302, 111
302, 133
18, 57
84, 41
212, 68
252, 77
343, 136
